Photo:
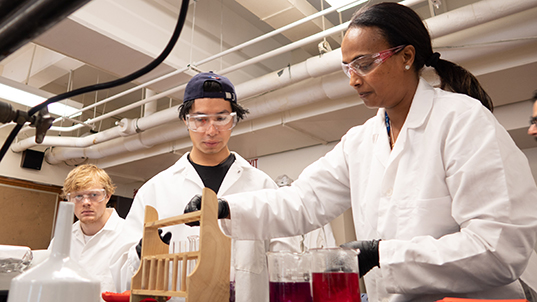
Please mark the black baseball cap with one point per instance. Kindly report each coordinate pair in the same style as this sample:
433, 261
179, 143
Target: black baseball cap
194, 88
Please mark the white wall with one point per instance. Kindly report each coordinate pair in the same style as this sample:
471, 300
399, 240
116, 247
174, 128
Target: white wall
49, 174
292, 163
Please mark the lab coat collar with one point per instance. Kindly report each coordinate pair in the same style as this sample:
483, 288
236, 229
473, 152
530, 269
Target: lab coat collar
380, 139
420, 109
184, 167
181, 165
422, 103
110, 225
421, 106
233, 174
113, 221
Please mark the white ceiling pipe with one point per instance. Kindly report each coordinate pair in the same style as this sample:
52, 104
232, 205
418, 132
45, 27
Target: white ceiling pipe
126, 127
475, 14
179, 147
312, 67
182, 145
430, 21
67, 141
279, 30
467, 16
286, 48
251, 61
209, 59
248, 62
331, 86
167, 132
106, 100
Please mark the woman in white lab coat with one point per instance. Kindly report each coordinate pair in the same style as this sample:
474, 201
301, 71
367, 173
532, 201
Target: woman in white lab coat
433, 176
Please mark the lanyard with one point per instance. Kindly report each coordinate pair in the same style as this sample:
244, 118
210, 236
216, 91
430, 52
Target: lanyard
387, 121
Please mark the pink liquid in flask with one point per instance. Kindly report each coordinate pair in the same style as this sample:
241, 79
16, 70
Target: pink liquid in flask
335, 287
290, 292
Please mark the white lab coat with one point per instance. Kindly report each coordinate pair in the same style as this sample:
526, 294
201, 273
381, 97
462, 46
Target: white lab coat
169, 192
319, 238
454, 202
93, 255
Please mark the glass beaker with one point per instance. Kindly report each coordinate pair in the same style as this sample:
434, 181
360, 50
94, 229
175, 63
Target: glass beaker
334, 273
289, 276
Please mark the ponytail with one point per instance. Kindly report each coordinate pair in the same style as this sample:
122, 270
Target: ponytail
455, 78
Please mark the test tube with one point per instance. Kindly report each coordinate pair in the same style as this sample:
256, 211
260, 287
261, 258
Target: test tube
193, 246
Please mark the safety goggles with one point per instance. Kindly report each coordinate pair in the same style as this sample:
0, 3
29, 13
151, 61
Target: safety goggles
202, 122
97, 195
533, 120
363, 65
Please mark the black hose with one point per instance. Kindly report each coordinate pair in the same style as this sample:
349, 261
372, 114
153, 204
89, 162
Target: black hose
9, 140
180, 23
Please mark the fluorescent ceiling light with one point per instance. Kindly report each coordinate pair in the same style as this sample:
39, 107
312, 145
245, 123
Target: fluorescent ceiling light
19, 93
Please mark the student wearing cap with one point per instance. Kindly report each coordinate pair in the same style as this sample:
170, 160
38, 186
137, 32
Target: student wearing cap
209, 111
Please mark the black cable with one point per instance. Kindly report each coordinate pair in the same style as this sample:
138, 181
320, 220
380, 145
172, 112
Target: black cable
180, 23
10, 139
128, 78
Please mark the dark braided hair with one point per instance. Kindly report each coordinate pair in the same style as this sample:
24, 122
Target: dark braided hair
400, 25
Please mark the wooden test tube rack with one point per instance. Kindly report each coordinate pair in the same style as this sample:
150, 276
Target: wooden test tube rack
209, 281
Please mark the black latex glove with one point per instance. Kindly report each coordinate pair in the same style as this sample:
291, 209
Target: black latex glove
369, 254
165, 238
195, 205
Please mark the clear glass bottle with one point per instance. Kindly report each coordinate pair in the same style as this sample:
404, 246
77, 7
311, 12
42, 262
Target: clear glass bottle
59, 278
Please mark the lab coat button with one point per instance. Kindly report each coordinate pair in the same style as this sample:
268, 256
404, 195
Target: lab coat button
389, 192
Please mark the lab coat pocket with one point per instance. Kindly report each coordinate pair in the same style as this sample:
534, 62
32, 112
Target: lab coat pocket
249, 256
431, 216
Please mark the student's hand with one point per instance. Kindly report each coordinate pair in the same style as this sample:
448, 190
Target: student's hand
165, 238
195, 205
369, 254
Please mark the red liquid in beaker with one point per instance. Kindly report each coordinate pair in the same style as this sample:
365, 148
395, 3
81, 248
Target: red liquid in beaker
335, 287
290, 292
